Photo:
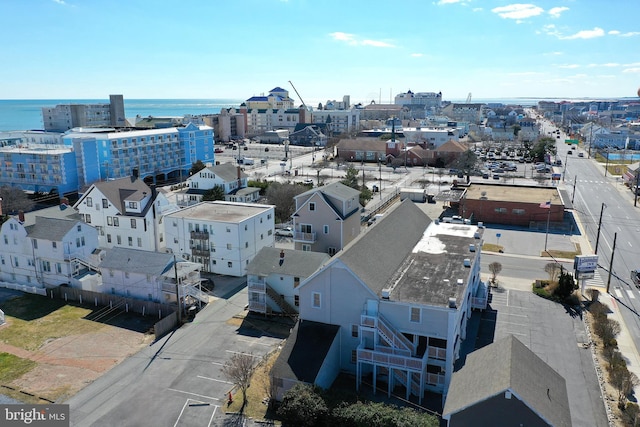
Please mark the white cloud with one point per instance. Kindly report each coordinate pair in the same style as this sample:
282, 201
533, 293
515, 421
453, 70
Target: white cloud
556, 11
632, 70
352, 39
608, 64
630, 34
417, 55
585, 34
569, 66
518, 11
525, 74
60, 2
441, 2
614, 33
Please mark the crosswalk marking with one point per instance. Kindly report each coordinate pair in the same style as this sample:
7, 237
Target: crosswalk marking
618, 293
630, 293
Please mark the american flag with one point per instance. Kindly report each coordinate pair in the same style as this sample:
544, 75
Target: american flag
546, 205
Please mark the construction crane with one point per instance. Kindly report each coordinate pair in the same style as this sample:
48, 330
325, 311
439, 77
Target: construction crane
302, 100
468, 98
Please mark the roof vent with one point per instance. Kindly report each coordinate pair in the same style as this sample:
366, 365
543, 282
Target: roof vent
507, 394
467, 262
385, 293
480, 224
460, 282
452, 302
472, 248
476, 235
437, 221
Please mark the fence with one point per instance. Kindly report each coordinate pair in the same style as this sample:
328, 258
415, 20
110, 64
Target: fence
1, 317
24, 288
165, 312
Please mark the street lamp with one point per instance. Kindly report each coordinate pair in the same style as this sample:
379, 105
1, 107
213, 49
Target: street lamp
599, 226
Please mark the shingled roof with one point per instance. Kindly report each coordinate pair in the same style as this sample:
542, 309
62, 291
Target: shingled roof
508, 365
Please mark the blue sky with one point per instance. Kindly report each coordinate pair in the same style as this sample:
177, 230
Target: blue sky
371, 50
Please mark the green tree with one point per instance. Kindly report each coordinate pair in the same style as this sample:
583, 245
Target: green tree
302, 406
215, 193
545, 145
351, 178
196, 167
516, 130
566, 284
371, 414
365, 196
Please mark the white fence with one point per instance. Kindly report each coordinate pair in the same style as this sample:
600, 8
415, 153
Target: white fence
24, 288
1, 317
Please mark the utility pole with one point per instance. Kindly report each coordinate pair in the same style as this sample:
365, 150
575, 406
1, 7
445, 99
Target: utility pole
175, 270
546, 237
573, 195
599, 226
613, 251
635, 190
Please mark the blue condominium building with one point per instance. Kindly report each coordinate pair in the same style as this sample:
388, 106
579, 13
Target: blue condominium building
83, 156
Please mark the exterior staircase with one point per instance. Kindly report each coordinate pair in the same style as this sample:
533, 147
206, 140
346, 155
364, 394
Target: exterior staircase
392, 337
284, 306
81, 260
196, 293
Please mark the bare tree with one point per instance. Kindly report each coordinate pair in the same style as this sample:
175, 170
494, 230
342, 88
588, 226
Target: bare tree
239, 370
553, 270
14, 200
495, 268
281, 195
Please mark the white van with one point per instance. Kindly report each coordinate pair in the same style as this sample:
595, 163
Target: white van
247, 161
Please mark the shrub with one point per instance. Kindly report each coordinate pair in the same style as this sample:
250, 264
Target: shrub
303, 406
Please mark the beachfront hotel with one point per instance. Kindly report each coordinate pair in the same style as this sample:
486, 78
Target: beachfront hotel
65, 163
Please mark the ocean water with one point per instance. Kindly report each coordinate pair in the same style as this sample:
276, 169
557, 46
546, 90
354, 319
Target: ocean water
20, 114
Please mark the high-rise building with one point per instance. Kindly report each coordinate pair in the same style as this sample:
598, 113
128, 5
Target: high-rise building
63, 117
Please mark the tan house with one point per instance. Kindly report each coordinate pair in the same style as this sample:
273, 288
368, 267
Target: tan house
326, 218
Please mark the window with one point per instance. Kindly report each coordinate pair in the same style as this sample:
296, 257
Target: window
229, 246
325, 229
130, 240
306, 248
500, 210
296, 282
46, 266
230, 264
296, 300
108, 238
109, 221
105, 203
133, 223
116, 222
35, 244
354, 356
517, 211
133, 205
312, 206
54, 245
316, 299
354, 331
246, 244
77, 242
79, 228
126, 274
140, 242
415, 314
58, 268
119, 239
331, 251
228, 229
89, 202
87, 219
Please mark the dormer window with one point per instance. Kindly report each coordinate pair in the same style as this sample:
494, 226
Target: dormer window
133, 205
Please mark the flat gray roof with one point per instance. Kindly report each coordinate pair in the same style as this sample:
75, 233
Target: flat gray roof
513, 193
429, 274
221, 211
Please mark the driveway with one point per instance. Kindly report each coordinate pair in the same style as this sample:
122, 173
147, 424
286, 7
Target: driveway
176, 381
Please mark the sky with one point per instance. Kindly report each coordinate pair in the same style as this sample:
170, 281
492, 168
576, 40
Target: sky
371, 50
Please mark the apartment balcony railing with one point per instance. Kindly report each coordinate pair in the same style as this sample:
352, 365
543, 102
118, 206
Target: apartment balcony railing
256, 286
200, 235
200, 252
437, 353
390, 360
258, 307
299, 236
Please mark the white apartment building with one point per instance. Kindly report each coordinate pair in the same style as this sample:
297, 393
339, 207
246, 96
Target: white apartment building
226, 175
339, 121
222, 236
47, 248
126, 212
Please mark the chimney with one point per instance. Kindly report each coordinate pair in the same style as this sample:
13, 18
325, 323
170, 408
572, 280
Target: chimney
134, 174
154, 191
21, 216
281, 256
64, 201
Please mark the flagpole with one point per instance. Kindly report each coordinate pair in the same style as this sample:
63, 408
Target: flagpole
546, 236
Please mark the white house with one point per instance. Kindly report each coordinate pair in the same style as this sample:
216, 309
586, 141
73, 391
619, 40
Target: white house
273, 278
47, 248
222, 236
401, 295
152, 276
226, 175
126, 212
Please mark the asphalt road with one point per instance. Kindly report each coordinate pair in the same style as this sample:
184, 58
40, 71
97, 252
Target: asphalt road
177, 381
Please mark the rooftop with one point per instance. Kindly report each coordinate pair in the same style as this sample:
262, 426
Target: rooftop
512, 193
221, 211
429, 274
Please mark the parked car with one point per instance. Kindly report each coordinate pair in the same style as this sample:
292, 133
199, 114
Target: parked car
580, 154
570, 152
218, 150
285, 232
308, 181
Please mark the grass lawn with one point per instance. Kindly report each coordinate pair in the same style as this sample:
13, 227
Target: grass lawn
34, 319
12, 367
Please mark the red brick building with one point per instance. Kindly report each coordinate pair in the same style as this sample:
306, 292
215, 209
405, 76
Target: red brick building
511, 205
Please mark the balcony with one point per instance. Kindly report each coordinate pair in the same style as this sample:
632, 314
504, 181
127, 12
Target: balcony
255, 286
200, 252
390, 360
299, 236
200, 235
